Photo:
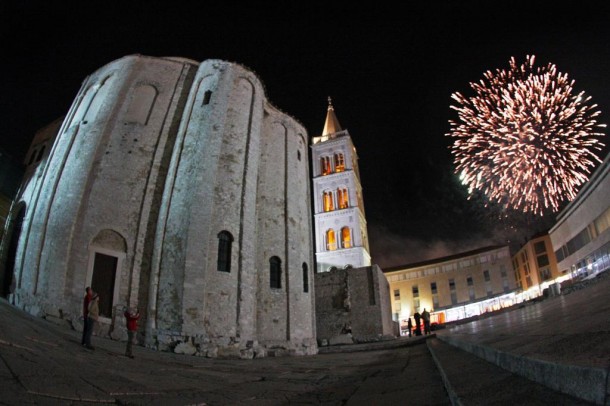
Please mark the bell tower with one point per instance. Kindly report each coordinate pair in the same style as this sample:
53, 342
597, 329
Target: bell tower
341, 237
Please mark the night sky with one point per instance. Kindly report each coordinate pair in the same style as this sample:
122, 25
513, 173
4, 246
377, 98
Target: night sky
390, 73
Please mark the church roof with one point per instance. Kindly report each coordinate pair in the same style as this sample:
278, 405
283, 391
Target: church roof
331, 125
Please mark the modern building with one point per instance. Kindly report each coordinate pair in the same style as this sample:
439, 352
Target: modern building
453, 287
535, 266
341, 237
175, 186
581, 235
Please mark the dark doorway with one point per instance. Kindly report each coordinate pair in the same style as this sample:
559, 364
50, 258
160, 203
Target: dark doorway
102, 282
9, 268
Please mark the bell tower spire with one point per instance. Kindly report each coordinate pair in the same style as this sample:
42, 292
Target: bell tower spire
341, 235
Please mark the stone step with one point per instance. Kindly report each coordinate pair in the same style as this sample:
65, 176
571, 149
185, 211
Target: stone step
470, 380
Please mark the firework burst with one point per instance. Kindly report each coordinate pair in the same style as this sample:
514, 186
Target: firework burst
525, 140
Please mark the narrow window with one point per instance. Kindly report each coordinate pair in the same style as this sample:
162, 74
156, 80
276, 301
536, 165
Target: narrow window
396, 294
339, 162
275, 273
305, 278
325, 165
40, 153
329, 204
342, 198
206, 97
346, 238
331, 241
433, 288
415, 290
31, 161
225, 240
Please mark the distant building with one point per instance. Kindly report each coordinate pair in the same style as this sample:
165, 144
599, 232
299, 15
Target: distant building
22, 179
11, 174
581, 235
453, 287
175, 186
535, 266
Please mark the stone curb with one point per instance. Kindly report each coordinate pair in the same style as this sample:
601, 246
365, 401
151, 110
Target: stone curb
586, 383
375, 346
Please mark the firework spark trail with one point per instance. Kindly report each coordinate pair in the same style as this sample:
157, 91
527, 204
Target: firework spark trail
525, 140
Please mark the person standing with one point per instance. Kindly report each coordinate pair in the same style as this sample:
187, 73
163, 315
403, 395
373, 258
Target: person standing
131, 318
426, 318
410, 327
86, 300
92, 316
417, 318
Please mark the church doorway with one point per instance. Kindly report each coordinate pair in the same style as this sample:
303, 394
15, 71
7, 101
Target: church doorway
103, 280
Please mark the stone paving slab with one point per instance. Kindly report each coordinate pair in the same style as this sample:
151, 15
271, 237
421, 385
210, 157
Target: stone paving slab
473, 381
562, 342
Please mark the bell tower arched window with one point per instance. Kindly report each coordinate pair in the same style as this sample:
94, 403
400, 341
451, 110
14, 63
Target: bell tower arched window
346, 237
275, 273
329, 204
342, 198
225, 240
339, 162
331, 240
325, 168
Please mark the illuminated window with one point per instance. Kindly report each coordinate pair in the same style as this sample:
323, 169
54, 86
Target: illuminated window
346, 238
225, 239
342, 198
331, 241
328, 202
339, 162
275, 273
325, 165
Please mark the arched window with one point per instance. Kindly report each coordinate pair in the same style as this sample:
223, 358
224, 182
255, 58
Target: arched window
329, 204
339, 162
206, 97
346, 237
325, 165
331, 241
342, 198
305, 278
275, 273
225, 240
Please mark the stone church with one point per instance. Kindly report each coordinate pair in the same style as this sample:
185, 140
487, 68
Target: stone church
175, 186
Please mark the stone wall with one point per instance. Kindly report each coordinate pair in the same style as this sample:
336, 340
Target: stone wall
354, 301
156, 158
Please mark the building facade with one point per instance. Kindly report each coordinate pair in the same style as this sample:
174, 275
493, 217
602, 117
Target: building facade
341, 236
535, 266
177, 187
581, 235
453, 287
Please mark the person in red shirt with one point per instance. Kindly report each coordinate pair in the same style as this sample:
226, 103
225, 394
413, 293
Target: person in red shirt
86, 300
131, 318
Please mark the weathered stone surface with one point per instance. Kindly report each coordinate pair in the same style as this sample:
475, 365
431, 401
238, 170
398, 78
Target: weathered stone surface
155, 160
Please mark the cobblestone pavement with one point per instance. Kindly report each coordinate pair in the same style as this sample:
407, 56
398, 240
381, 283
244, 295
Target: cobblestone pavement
43, 363
562, 343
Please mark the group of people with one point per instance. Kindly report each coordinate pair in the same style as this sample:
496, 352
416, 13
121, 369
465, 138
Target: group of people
425, 317
91, 314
